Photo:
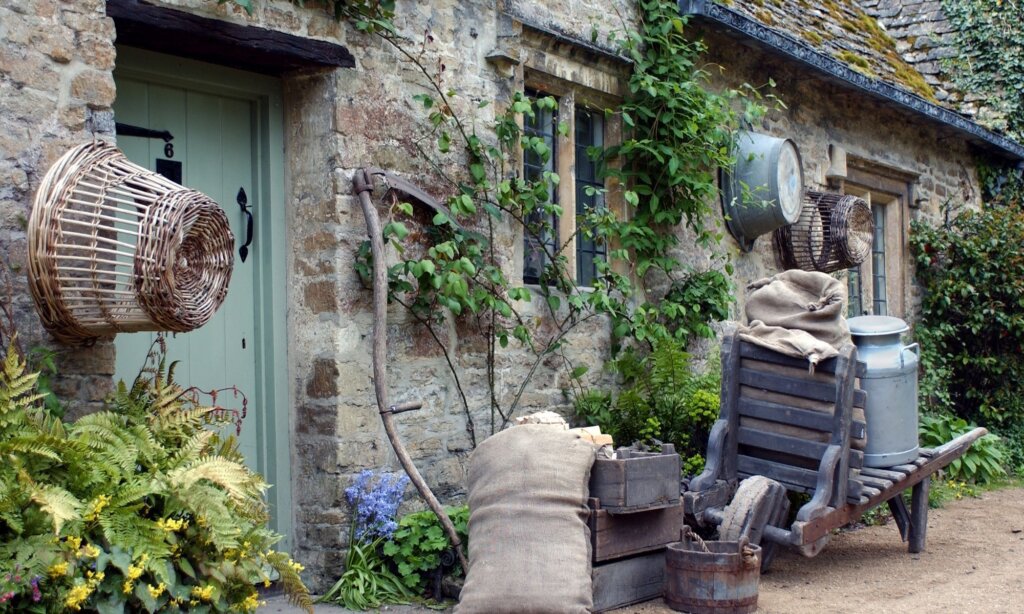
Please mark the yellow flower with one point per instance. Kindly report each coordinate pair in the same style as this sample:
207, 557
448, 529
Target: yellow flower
77, 596
204, 594
58, 569
172, 525
296, 566
156, 591
134, 572
128, 587
266, 582
97, 506
95, 577
75, 542
91, 551
250, 603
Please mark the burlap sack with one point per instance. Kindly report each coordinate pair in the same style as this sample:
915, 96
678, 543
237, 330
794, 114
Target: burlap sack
798, 313
529, 546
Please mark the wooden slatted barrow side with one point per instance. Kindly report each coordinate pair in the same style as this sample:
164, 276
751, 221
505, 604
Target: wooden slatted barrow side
781, 429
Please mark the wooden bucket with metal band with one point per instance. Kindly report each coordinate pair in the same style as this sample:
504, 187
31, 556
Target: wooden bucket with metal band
712, 577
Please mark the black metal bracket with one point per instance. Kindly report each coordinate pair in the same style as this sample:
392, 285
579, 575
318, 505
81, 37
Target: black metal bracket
146, 133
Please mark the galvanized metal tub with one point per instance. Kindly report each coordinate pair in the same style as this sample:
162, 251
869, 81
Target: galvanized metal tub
721, 581
891, 385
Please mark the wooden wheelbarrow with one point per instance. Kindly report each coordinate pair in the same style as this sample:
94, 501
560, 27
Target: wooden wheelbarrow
783, 429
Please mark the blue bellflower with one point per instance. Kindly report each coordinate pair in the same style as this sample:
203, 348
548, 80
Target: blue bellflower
374, 499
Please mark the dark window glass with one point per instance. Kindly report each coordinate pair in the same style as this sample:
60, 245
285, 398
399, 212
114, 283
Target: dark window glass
535, 256
853, 281
589, 250
880, 304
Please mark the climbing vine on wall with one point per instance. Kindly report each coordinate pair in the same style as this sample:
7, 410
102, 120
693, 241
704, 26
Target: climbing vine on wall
989, 63
453, 268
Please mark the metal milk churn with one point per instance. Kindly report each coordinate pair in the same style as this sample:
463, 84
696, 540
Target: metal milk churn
891, 386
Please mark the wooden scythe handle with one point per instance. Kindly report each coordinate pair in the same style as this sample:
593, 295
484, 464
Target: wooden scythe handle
363, 183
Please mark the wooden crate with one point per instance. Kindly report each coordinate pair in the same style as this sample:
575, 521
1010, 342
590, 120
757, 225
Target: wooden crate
626, 581
637, 481
614, 536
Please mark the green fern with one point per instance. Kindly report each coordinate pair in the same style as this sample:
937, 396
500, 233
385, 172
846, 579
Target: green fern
145, 492
58, 503
664, 399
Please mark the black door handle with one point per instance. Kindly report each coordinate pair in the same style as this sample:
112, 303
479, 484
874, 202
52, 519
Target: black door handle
243, 202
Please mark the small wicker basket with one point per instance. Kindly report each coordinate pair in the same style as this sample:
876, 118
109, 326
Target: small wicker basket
115, 248
834, 232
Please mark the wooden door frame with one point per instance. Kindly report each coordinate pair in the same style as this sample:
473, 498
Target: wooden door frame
271, 347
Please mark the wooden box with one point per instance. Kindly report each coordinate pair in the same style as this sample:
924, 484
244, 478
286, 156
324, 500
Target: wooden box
614, 536
636, 481
626, 581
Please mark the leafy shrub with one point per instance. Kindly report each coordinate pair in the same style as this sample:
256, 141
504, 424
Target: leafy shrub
971, 330
417, 546
142, 507
983, 461
664, 400
367, 581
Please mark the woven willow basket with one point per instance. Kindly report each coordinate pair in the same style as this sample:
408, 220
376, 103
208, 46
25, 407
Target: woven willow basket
834, 232
115, 248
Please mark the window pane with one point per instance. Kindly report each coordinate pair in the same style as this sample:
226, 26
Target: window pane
856, 307
880, 303
542, 125
589, 250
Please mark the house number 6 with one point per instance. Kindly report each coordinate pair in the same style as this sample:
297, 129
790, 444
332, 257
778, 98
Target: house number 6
169, 150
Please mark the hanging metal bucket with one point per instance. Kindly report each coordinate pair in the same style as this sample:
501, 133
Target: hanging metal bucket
722, 579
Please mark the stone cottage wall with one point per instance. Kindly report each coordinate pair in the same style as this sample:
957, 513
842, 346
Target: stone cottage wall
56, 89
55, 92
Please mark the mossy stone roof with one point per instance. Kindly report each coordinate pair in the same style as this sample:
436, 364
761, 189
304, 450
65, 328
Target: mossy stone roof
842, 30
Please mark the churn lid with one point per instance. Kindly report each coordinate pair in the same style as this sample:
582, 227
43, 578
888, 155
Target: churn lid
871, 326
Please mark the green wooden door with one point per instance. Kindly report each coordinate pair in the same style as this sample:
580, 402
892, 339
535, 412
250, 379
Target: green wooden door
221, 148
212, 144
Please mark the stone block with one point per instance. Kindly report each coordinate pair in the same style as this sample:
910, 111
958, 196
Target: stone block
323, 382
320, 297
94, 87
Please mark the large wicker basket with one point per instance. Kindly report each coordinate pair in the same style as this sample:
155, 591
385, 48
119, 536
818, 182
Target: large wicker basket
116, 248
834, 232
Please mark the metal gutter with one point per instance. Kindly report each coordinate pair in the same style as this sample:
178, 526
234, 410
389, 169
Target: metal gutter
715, 14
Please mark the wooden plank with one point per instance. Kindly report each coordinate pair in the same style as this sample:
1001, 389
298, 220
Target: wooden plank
614, 536
919, 516
782, 443
856, 459
876, 483
788, 371
901, 515
796, 479
159, 28
794, 476
792, 416
885, 474
792, 386
905, 469
627, 581
749, 350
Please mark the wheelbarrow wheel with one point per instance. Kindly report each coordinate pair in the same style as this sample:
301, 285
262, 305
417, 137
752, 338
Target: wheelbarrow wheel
758, 502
